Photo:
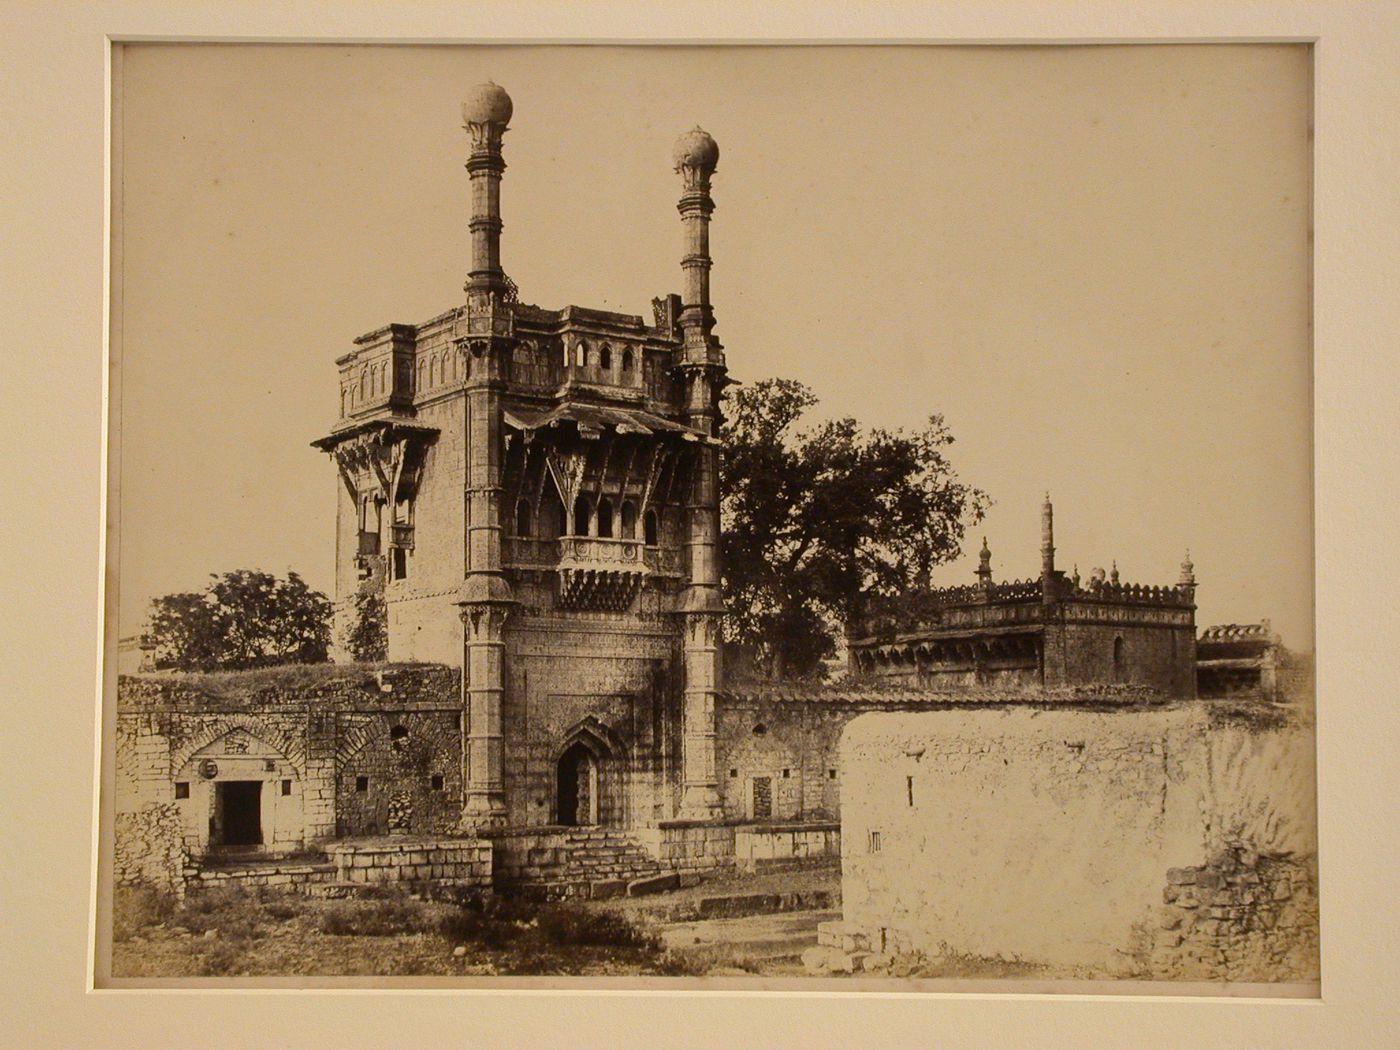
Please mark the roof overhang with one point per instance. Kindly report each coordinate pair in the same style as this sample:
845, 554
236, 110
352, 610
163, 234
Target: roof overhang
594, 419
393, 427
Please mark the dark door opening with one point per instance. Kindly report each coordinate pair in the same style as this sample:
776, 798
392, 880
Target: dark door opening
238, 812
578, 787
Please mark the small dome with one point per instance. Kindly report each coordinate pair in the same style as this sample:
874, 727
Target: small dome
487, 103
695, 149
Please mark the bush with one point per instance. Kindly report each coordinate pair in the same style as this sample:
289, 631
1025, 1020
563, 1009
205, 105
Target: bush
377, 918
366, 636
576, 926
232, 911
223, 959
493, 922
135, 908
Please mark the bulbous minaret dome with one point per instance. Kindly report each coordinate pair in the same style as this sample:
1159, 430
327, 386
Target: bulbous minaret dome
696, 149
487, 103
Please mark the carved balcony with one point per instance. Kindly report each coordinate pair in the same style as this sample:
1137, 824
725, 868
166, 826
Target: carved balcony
600, 573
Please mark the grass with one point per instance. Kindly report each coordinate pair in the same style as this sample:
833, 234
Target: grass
239, 932
233, 684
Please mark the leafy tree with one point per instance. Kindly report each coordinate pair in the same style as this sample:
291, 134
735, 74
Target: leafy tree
367, 634
814, 518
244, 618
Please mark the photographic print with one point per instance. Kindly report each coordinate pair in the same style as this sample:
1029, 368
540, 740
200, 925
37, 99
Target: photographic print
813, 517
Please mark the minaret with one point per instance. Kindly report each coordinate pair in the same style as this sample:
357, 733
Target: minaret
700, 366
984, 568
485, 597
1047, 550
486, 114
1186, 582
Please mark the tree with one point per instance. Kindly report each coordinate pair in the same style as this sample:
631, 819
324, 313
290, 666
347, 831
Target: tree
813, 519
367, 632
244, 618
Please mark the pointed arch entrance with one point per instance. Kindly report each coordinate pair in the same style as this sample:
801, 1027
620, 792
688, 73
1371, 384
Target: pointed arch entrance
588, 776
577, 788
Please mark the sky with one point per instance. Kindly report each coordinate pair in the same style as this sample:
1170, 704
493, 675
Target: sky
1094, 262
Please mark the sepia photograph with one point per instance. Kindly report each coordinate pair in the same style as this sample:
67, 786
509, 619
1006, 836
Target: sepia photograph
711, 517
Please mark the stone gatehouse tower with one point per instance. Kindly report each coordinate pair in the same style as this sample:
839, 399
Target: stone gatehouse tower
533, 494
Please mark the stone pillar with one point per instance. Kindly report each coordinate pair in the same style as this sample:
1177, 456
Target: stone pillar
1047, 549
1052, 638
485, 597
702, 368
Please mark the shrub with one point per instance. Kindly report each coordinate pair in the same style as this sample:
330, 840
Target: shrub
377, 918
232, 911
366, 636
493, 922
223, 959
576, 926
135, 908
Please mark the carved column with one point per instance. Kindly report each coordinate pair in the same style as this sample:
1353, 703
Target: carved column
485, 597
701, 367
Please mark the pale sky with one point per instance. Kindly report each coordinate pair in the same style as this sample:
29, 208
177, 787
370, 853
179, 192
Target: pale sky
1093, 261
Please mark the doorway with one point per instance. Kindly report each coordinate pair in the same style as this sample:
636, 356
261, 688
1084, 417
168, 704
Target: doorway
578, 786
238, 813
761, 802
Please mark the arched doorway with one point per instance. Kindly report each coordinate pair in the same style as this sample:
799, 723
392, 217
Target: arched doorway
577, 791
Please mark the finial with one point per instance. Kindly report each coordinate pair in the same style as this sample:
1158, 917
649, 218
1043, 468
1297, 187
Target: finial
487, 103
696, 149
1188, 572
1113, 572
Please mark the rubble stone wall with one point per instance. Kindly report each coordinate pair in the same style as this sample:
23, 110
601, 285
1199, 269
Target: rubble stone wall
1069, 838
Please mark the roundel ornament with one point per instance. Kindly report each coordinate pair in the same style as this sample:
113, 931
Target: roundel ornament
209, 769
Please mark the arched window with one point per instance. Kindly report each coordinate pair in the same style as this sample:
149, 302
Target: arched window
580, 355
522, 518
629, 520
627, 360
605, 516
605, 358
650, 529
583, 513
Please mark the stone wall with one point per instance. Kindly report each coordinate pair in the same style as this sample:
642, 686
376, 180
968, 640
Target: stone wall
1160, 656
606, 679
778, 847
305, 736
688, 847
793, 746
398, 772
150, 849
1049, 835
463, 862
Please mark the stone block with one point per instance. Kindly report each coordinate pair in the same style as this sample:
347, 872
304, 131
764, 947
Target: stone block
654, 884
607, 889
817, 959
